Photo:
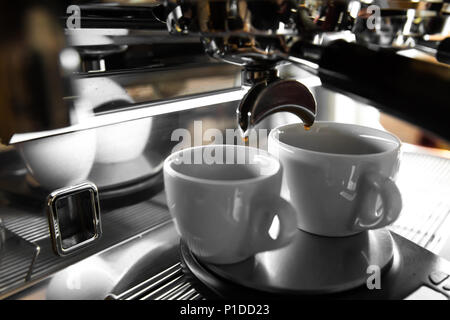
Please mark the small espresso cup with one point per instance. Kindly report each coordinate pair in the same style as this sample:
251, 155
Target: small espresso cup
339, 177
225, 201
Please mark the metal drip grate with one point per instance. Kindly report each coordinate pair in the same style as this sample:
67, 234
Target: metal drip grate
169, 284
17, 258
27, 254
424, 181
28, 226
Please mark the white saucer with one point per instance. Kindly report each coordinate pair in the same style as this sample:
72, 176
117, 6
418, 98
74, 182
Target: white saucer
313, 265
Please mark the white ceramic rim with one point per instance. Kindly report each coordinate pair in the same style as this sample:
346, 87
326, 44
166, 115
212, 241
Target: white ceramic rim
290, 148
168, 169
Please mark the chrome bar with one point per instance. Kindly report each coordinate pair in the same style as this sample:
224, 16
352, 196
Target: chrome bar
169, 284
163, 287
196, 297
171, 294
151, 109
33, 260
139, 111
147, 285
188, 295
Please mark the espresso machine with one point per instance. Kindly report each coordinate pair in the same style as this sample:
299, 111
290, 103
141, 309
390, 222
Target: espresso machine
93, 93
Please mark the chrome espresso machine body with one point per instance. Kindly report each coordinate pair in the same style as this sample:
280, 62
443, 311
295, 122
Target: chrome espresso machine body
93, 96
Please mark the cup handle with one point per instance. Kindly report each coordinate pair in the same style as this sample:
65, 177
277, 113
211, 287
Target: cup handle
391, 200
266, 232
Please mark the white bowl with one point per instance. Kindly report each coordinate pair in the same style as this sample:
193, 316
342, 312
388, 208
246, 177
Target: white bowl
59, 161
119, 142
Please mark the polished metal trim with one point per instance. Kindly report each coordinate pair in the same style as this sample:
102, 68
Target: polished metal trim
169, 284
151, 109
175, 292
148, 284
139, 111
165, 278
37, 250
163, 287
53, 218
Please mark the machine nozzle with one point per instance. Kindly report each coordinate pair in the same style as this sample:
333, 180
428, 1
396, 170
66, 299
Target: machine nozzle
266, 98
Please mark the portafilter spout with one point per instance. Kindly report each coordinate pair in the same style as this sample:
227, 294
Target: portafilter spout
268, 95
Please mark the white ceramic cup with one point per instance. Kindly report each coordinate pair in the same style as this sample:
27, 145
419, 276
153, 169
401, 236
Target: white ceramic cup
228, 210
339, 177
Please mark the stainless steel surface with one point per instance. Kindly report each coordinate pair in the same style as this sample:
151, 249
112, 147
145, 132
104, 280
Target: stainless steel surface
27, 220
17, 259
311, 264
175, 84
157, 249
251, 33
2, 234
139, 111
117, 269
261, 34
425, 218
119, 225
401, 28
169, 284
74, 217
168, 111
173, 271
246, 33
123, 36
21, 201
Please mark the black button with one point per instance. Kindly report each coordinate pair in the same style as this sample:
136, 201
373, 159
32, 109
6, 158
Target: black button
436, 277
